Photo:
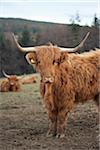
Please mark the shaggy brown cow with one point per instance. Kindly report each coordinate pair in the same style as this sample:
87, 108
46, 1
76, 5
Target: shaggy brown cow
10, 84
66, 79
28, 79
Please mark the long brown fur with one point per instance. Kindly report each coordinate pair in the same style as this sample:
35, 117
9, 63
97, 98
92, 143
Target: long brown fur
75, 79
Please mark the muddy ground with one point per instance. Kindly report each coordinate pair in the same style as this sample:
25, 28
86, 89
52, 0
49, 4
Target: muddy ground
24, 123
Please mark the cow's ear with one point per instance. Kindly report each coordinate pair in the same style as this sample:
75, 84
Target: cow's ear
31, 57
63, 56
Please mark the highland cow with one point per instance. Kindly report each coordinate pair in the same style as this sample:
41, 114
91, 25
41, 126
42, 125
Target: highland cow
11, 83
66, 79
28, 79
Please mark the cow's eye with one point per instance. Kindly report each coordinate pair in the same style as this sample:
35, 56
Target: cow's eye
38, 62
55, 62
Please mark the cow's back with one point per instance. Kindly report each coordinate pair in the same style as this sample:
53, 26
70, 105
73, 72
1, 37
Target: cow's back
79, 77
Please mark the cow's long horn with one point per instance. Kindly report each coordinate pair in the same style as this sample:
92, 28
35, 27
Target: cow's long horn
6, 75
77, 48
23, 49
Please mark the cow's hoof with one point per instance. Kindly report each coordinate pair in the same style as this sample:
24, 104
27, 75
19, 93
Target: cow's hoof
60, 136
50, 134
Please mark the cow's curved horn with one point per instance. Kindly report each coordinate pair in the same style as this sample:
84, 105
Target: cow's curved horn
77, 48
6, 75
23, 49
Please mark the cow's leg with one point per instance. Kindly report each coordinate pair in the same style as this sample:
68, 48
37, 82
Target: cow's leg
61, 121
61, 118
53, 123
97, 99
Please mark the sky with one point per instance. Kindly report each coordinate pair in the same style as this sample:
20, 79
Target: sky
57, 11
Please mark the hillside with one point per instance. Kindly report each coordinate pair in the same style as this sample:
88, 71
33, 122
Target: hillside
66, 35
16, 25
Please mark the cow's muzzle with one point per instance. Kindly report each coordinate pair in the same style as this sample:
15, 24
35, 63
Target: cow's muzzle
11, 83
48, 80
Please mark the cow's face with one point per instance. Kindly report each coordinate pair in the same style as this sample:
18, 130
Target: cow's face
12, 80
46, 59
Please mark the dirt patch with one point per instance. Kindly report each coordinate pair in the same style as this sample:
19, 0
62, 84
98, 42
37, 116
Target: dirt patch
24, 123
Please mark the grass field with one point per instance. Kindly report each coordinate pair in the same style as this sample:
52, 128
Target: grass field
24, 123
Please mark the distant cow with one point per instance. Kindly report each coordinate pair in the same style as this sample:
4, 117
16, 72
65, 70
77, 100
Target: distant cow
66, 79
28, 79
11, 83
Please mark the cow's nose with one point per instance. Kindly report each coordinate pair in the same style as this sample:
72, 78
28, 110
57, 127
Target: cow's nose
48, 80
11, 83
